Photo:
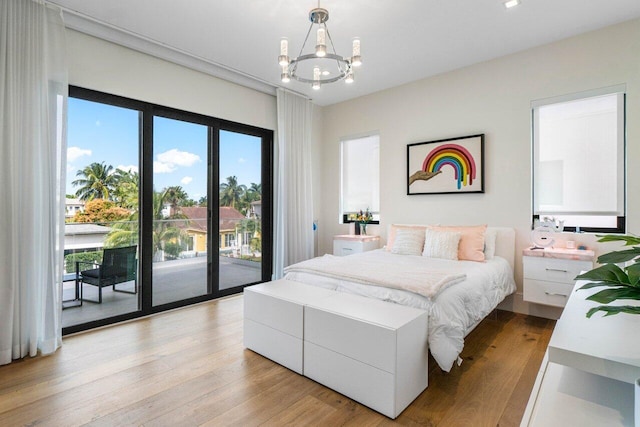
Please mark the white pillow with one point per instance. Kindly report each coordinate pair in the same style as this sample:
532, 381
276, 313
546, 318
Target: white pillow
408, 241
441, 244
490, 243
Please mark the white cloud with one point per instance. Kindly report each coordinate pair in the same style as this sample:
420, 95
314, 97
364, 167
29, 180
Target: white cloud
168, 161
241, 160
98, 124
186, 180
74, 153
128, 168
177, 157
159, 167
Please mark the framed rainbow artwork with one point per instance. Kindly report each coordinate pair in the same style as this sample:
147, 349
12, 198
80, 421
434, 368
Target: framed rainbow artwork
454, 165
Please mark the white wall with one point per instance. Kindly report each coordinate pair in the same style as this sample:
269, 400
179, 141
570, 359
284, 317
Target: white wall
491, 98
107, 67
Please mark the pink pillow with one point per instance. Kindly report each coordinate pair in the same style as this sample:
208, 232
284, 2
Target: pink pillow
393, 229
471, 247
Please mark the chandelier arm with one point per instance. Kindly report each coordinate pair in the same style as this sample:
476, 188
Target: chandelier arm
305, 40
330, 39
293, 63
339, 63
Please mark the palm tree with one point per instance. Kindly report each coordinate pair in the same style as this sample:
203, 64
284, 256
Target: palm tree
164, 230
127, 189
98, 181
231, 192
174, 196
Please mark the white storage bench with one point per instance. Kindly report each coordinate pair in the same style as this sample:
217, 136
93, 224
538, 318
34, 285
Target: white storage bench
372, 351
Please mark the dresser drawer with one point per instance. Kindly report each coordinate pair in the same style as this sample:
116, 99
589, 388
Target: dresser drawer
554, 270
362, 382
547, 293
370, 343
280, 314
287, 351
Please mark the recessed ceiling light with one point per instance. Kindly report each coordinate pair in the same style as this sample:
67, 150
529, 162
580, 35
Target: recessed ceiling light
511, 3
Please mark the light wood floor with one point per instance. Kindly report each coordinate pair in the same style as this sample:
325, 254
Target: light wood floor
189, 367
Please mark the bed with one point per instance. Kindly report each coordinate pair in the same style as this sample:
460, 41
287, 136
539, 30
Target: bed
463, 293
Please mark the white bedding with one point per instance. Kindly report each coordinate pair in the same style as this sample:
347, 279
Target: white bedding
379, 269
453, 313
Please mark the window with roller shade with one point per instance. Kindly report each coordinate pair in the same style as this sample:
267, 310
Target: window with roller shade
360, 177
579, 160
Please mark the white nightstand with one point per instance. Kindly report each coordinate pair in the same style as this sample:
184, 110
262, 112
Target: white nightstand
348, 244
549, 273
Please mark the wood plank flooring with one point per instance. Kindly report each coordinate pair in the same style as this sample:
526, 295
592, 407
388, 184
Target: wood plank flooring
189, 367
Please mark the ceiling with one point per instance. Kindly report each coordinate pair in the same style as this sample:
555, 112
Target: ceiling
402, 40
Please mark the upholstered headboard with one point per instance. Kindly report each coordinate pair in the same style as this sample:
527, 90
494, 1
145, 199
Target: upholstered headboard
505, 243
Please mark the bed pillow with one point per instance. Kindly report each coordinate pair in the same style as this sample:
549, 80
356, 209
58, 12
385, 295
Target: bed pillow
490, 243
393, 230
408, 241
471, 247
441, 244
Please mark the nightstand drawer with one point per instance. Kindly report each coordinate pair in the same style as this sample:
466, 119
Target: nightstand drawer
548, 293
554, 270
347, 245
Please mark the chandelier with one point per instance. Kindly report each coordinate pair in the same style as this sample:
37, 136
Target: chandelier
323, 65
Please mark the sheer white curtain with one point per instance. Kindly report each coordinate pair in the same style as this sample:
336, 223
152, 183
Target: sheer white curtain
293, 198
33, 90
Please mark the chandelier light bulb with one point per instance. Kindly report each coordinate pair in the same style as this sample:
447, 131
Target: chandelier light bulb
283, 59
349, 78
356, 60
321, 43
316, 78
284, 76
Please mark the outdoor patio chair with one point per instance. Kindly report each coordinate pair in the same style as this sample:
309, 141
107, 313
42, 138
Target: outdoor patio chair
119, 265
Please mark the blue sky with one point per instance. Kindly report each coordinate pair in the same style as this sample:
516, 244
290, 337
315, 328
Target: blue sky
104, 133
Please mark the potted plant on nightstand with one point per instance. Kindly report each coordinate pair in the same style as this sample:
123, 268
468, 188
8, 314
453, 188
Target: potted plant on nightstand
620, 282
363, 219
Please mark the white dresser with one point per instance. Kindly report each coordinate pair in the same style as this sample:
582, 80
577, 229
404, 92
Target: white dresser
372, 351
549, 274
348, 244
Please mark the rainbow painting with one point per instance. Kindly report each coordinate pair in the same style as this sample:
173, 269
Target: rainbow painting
452, 165
455, 156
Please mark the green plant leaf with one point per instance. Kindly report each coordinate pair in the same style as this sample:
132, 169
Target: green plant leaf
633, 271
619, 256
606, 296
597, 284
610, 310
629, 240
609, 273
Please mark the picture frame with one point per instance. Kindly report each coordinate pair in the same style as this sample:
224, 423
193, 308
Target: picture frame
446, 166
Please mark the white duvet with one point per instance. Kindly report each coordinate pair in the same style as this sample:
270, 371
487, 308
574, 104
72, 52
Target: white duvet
453, 313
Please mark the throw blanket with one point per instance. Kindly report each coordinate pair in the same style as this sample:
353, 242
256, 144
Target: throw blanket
410, 273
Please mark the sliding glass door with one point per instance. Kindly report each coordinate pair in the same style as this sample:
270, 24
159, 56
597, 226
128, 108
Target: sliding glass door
180, 236
191, 194
101, 209
240, 212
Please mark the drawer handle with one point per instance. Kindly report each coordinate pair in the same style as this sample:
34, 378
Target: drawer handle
556, 269
347, 249
555, 294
